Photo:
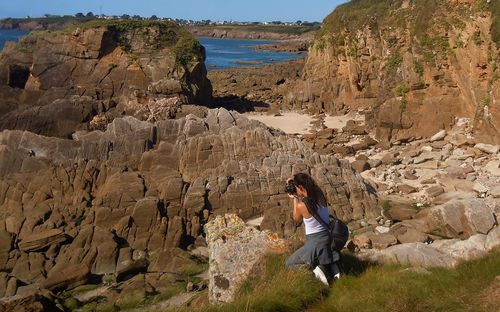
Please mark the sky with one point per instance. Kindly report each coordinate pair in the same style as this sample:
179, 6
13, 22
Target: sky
236, 10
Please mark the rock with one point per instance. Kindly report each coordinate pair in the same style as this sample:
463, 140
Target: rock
415, 254
141, 190
191, 287
374, 163
360, 165
363, 240
382, 241
382, 229
409, 176
478, 187
438, 136
461, 218
493, 239
234, 249
67, 278
42, 240
434, 190
95, 79
493, 168
406, 189
36, 302
495, 191
487, 148
132, 268
405, 234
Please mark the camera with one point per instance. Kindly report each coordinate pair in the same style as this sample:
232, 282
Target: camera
290, 188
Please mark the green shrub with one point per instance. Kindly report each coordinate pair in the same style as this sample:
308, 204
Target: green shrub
419, 68
402, 89
393, 62
485, 101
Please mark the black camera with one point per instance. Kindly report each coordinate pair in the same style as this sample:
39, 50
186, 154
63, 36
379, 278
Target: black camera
290, 188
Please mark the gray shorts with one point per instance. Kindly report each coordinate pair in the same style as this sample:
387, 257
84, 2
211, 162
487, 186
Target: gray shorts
315, 251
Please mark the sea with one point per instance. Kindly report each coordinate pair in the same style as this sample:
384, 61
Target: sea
227, 53
221, 53
10, 35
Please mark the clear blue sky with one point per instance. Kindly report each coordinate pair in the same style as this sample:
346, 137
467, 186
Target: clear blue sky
237, 10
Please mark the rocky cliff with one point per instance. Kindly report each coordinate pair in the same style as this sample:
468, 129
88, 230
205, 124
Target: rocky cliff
54, 83
410, 66
122, 200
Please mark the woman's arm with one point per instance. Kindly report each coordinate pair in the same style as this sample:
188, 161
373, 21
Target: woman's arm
298, 210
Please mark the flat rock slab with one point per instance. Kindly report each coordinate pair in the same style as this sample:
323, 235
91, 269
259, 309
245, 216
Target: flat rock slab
441, 253
41, 240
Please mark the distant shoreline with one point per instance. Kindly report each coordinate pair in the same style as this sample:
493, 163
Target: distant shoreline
251, 32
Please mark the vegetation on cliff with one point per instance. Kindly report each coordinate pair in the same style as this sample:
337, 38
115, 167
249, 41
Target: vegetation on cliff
472, 286
156, 34
420, 14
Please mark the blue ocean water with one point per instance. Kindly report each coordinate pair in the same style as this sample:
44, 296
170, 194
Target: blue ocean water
225, 53
10, 35
221, 53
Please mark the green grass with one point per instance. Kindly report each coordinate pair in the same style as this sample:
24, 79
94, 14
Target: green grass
275, 289
369, 287
390, 288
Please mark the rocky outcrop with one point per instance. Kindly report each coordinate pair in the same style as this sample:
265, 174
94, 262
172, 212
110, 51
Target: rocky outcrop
234, 249
139, 191
410, 67
55, 83
443, 253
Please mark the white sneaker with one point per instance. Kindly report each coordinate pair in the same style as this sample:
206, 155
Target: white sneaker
335, 271
320, 275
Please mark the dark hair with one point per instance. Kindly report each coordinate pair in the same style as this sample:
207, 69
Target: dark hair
315, 195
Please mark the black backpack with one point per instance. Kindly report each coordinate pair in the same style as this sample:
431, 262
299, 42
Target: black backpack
339, 232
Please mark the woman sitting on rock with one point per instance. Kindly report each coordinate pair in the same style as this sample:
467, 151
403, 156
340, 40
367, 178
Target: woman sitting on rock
309, 200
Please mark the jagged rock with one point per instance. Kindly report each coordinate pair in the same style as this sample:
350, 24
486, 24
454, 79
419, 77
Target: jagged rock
438, 136
139, 190
234, 249
487, 148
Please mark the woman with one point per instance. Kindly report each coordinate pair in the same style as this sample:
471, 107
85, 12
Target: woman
309, 200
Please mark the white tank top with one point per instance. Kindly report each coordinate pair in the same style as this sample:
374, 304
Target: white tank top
314, 226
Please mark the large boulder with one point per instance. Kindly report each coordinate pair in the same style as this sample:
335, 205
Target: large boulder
234, 249
461, 218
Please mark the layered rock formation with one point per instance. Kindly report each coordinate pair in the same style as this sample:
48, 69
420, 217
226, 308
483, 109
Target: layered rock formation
54, 83
410, 66
118, 201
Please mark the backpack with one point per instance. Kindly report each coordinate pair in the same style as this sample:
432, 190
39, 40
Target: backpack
339, 232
